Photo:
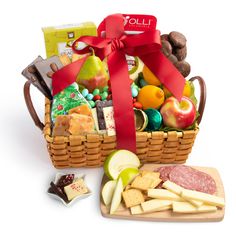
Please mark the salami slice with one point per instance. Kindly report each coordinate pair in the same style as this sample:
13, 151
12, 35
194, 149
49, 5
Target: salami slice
164, 172
190, 178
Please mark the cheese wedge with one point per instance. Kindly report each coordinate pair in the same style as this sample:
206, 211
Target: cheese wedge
186, 207
164, 194
155, 205
173, 187
204, 197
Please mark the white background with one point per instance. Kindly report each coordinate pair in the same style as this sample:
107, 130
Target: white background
25, 168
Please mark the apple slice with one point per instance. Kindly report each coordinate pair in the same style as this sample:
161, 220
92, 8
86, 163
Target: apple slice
127, 175
117, 196
107, 191
118, 161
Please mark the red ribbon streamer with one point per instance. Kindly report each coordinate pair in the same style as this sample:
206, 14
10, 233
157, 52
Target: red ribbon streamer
115, 46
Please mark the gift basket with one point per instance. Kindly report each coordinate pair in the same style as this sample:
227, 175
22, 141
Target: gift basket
121, 86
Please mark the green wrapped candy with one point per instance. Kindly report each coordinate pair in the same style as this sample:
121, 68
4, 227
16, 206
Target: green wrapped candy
67, 99
154, 119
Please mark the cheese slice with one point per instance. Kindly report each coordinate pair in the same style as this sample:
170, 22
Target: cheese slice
186, 207
155, 205
138, 210
194, 202
173, 187
164, 194
204, 197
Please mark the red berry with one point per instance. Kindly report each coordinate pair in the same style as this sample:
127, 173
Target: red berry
109, 83
134, 100
59, 107
72, 95
138, 105
97, 97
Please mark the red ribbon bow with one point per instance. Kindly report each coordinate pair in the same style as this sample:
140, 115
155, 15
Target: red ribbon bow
115, 46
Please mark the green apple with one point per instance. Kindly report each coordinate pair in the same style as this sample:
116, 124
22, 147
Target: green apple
118, 161
127, 175
108, 191
117, 196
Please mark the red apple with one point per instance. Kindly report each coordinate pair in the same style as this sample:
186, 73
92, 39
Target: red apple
177, 114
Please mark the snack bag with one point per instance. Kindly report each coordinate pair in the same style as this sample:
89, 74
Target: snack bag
67, 99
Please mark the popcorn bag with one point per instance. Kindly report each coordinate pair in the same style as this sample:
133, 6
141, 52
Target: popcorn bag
122, 88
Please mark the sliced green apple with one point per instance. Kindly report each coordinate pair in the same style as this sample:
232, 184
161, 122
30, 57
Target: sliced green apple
127, 175
117, 196
108, 191
118, 161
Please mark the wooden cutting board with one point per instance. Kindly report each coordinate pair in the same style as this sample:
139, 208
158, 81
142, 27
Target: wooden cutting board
165, 216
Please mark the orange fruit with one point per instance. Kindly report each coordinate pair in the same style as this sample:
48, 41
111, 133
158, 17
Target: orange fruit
149, 77
151, 96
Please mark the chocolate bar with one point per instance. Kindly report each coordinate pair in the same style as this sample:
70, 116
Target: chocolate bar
46, 67
65, 180
58, 191
109, 120
99, 107
31, 73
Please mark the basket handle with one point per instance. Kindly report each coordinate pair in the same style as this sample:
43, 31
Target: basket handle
203, 91
30, 106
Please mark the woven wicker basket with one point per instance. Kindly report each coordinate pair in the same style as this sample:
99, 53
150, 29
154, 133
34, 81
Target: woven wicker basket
92, 149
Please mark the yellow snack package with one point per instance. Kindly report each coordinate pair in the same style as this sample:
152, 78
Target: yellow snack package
59, 39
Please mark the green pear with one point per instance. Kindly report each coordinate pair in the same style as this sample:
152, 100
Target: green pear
93, 74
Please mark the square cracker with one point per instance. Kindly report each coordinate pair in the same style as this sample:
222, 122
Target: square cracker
155, 176
132, 197
150, 174
146, 180
142, 183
